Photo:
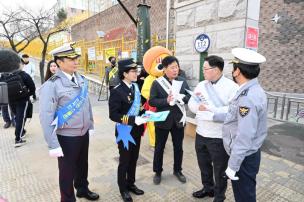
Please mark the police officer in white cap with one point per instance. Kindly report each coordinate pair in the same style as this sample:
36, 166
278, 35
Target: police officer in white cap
66, 118
245, 127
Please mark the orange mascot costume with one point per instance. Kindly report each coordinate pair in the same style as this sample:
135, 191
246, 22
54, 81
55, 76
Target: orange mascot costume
152, 63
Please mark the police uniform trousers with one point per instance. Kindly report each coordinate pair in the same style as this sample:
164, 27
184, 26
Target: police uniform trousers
161, 136
73, 166
127, 163
244, 189
19, 109
212, 160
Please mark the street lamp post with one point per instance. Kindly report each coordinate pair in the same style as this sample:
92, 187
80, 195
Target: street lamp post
143, 28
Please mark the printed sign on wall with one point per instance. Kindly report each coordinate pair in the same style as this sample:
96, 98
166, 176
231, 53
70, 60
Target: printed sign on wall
252, 38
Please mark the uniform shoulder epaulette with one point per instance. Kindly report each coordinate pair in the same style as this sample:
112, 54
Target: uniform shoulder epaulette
244, 92
53, 78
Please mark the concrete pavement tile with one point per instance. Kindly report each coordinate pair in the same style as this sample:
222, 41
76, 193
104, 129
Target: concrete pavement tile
295, 185
289, 163
282, 174
286, 192
299, 167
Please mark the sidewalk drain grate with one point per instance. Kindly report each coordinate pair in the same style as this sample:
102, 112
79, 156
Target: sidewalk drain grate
141, 160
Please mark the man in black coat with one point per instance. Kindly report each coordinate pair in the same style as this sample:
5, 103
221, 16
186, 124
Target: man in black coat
162, 98
124, 109
21, 107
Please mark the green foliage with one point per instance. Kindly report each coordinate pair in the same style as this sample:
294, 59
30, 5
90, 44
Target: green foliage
61, 15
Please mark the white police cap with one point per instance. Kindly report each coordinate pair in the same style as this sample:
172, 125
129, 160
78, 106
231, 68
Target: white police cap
65, 50
247, 56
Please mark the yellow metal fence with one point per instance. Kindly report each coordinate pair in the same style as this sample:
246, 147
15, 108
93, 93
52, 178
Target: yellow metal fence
103, 49
95, 53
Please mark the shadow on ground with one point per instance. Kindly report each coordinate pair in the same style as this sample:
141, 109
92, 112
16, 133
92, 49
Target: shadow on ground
286, 140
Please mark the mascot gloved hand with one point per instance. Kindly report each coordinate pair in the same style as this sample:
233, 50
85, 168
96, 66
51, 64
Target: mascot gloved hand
152, 63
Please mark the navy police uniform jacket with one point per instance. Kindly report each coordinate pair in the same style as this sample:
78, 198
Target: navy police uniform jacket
120, 101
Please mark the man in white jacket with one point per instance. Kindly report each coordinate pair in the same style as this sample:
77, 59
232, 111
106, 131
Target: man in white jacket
28, 66
211, 96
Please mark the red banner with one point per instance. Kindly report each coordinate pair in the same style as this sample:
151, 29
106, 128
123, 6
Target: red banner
252, 37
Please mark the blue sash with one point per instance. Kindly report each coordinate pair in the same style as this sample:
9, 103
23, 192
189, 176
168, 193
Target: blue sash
67, 111
213, 96
124, 131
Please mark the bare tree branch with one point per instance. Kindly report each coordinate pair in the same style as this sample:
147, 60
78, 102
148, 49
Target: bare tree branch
21, 26
18, 33
43, 22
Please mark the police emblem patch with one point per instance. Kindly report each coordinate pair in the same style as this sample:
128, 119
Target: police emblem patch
244, 111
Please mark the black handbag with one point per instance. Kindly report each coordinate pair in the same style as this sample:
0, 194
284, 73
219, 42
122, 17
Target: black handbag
29, 111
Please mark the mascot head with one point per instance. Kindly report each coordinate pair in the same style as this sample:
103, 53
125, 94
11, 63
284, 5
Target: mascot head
9, 60
152, 60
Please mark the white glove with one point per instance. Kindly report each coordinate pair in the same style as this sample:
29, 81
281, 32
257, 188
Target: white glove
91, 132
231, 174
56, 152
139, 120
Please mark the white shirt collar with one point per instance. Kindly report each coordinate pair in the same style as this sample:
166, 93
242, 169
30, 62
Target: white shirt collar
129, 85
243, 85
70, 76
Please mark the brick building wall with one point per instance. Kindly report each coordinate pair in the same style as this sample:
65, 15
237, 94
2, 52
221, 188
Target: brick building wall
114, 20
282, 44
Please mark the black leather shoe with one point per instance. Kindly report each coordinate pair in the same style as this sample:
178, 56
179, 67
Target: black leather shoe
134, 189
88, 195
157, 178
180, 176
126, 197
7, 125
203, 193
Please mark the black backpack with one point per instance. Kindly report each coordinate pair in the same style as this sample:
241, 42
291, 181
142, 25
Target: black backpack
16, 88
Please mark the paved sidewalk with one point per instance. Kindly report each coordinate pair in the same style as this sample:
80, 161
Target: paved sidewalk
28, 174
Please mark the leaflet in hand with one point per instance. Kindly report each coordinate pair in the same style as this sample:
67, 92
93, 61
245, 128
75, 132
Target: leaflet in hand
176, 87
156, 116
198, 98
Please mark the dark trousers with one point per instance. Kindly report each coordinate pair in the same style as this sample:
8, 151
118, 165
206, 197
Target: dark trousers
212, 160
127, 163
73, 167
19, 109
161, 136
244, 189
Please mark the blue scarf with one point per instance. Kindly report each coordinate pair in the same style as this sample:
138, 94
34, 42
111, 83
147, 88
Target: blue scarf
66, 112
124, 131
